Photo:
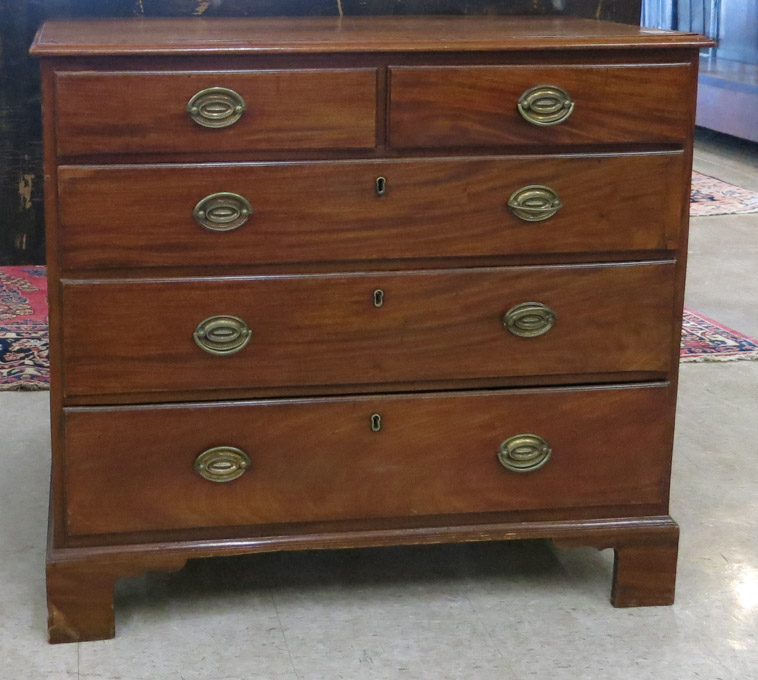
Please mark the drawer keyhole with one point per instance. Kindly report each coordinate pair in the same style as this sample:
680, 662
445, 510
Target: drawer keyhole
376, 422
378, 297
381, 186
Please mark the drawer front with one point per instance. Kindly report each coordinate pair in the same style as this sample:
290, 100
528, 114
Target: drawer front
368, 328
321, 211
125, 112
137, 469
479, 105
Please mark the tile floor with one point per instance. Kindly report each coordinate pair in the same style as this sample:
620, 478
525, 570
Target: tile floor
498, 611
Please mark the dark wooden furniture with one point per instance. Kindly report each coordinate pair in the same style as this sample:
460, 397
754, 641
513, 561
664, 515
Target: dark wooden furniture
22, 235
378, 281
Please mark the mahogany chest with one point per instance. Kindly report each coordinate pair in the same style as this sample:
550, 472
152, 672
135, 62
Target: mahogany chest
325, 283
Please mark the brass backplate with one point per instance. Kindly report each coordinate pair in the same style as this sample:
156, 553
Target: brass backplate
216, 107
545, 105
524, 453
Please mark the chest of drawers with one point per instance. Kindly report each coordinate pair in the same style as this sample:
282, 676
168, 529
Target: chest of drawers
320, 283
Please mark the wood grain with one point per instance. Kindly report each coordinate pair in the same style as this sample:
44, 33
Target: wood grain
131, 469
141, 216
128, 112
94, 615
345, 34
325, 329
55, 354
477, 105
80, 593
644, 568
22, 239
302, 272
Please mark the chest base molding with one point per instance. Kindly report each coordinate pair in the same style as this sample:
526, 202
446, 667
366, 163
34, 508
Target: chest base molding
81, 580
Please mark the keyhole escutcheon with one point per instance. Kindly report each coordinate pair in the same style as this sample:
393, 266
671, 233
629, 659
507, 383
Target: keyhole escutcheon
378, 297
376, 422
381, 186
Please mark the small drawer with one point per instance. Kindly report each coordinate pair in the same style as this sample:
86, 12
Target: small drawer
195, 112
196, 466
372, 328
469, 106
368, 210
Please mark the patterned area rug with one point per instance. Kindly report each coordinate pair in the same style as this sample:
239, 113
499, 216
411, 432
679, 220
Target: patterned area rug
711, 196
24, 345
704, 339
23, 329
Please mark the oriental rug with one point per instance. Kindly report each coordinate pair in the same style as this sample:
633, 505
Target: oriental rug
711, 196
24, 344
704, 339
23, 329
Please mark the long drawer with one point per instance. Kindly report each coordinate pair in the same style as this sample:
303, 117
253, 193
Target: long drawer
364, 210
195, 111
159, 336
460, 106
270, 462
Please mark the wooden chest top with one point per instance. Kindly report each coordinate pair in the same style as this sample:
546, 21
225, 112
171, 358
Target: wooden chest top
346, 34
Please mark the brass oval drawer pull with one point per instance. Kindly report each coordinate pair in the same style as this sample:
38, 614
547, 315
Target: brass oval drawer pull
534, 203
222, 334
545, 105
524, 453
216, 107
222, 463
224, 211
529, 319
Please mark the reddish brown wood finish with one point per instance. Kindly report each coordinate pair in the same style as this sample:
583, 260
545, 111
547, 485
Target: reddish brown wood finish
477, 105
131, 469
115, 292
257, 392
346, 35
328, 211
80, 593
128, 112
644, 571
57, 509
91, 618
325, 329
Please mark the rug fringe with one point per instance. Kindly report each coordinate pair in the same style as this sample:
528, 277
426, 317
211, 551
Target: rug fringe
703, 359
25, 387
